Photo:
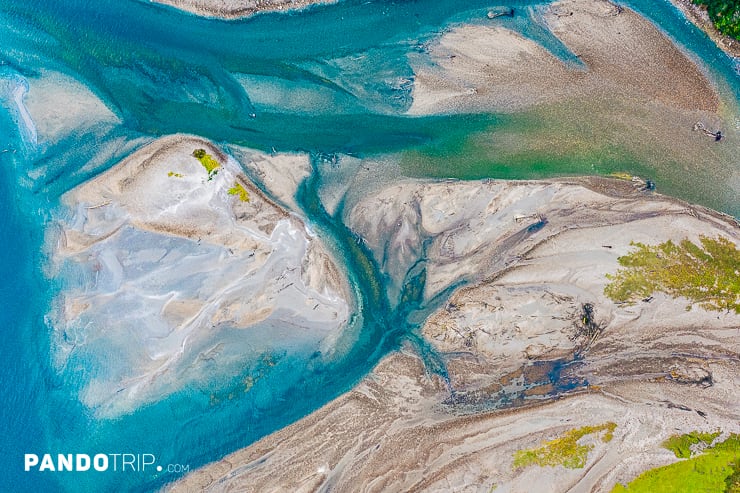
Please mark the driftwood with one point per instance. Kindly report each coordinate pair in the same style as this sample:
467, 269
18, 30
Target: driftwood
700, 126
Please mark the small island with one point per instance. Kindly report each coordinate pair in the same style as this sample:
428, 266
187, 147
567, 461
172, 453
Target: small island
232, 9
177, 264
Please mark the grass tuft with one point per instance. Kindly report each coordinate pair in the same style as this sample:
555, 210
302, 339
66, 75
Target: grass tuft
240, 191
621, 175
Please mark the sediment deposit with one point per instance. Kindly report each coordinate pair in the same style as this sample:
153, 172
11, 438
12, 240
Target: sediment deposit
172, 273
523, 363
616, 55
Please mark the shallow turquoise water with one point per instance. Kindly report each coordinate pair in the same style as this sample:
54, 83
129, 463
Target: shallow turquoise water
162, 72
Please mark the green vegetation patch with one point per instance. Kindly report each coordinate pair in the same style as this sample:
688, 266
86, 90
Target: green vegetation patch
725, 15
208, 162
717, 469
239, 191
176, 175
621, 175
680, 445
564, 451
708, 274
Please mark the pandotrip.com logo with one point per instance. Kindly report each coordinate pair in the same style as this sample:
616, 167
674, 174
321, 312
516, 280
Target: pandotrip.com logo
122, 462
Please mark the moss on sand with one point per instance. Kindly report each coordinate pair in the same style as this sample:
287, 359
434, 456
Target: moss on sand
707, 274
680, 445
208, 162
239, 191
564, 451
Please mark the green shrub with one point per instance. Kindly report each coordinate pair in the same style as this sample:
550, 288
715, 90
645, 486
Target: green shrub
725, 15
680, 445
708, 274
208, 162
564, 451
715, 470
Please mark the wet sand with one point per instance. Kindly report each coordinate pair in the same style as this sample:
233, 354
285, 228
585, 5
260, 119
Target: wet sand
631, 103
624, 58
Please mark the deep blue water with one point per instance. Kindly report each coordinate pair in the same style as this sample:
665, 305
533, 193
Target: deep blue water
163, 72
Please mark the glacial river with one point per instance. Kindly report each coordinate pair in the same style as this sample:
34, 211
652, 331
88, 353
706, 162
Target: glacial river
334, 80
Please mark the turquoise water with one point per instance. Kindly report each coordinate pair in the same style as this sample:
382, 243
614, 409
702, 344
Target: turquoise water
162, 72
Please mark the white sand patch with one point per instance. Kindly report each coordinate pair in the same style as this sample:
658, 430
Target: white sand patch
13, 89
278, 173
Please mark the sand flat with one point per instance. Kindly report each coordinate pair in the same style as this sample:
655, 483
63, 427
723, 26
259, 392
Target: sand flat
653, 367
624, 57
232, 9
163, 265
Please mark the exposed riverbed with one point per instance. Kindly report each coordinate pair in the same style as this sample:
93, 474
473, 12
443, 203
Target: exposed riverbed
316, 129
